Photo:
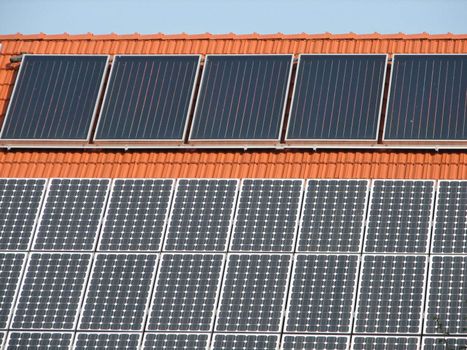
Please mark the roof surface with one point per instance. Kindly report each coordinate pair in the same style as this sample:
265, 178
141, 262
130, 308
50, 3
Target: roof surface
226, 163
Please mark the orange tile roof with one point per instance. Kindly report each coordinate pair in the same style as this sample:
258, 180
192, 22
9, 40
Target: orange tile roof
221, 163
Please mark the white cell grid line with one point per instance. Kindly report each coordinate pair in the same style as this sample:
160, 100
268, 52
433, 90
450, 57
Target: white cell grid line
109, 201
306, 202
17, 287
101, 215
157, 284
39, 209
150, 334
286, 286
304, 335
88, 285
81, 298
370, 205
428, 317
172, 208
461, 216
49, 332
246, 335
358, 301
77, 334
291, 280
296, 220
391, 339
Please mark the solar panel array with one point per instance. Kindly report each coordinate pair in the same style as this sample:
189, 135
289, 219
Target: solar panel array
232, 264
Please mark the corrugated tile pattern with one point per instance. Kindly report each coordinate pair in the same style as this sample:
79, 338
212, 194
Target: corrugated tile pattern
287, 164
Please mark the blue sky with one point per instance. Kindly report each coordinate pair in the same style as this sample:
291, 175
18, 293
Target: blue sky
239, 16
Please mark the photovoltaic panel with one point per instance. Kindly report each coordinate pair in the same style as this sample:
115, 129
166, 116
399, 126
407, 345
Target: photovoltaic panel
39, 341
245, 341
447, 294
11, 268
2, 338
450, 227
427, 98
51, 291
322, 294
253, 293
399, 216
55, 98
376, 343
107, 341
186, 291
337, 97
20, 201
71, 214
443, 343
118, 292
148, 98
242, 97
267, 215
136, 214
176, 341
333, 216
201, 215
391, 294
315, 342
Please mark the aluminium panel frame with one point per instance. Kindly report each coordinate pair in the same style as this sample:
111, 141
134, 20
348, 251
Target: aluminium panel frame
340, 143
430, 223
364, 216
81, 298
101, 216
241, 143
297, 218
354, 292
413, 143
148, 143
102, 226
78, 328
60, 143
290, 256
171, 210
214, 306
422, 300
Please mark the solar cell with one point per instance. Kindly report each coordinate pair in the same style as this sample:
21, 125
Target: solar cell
333, 216
322, 294
450, 226
118, 292
55, 98
267, 215
245, 341
447, 294
104, 341
136, 214
391, 294
39, 341
376, 343
201, 215
11, 268
148, 98
176, 341
51, 291
443, 343
242, 97
337, 97
2, 339
253, 293
71, 214
315, 342
427, 98
20, 201
399, 216
186, 291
